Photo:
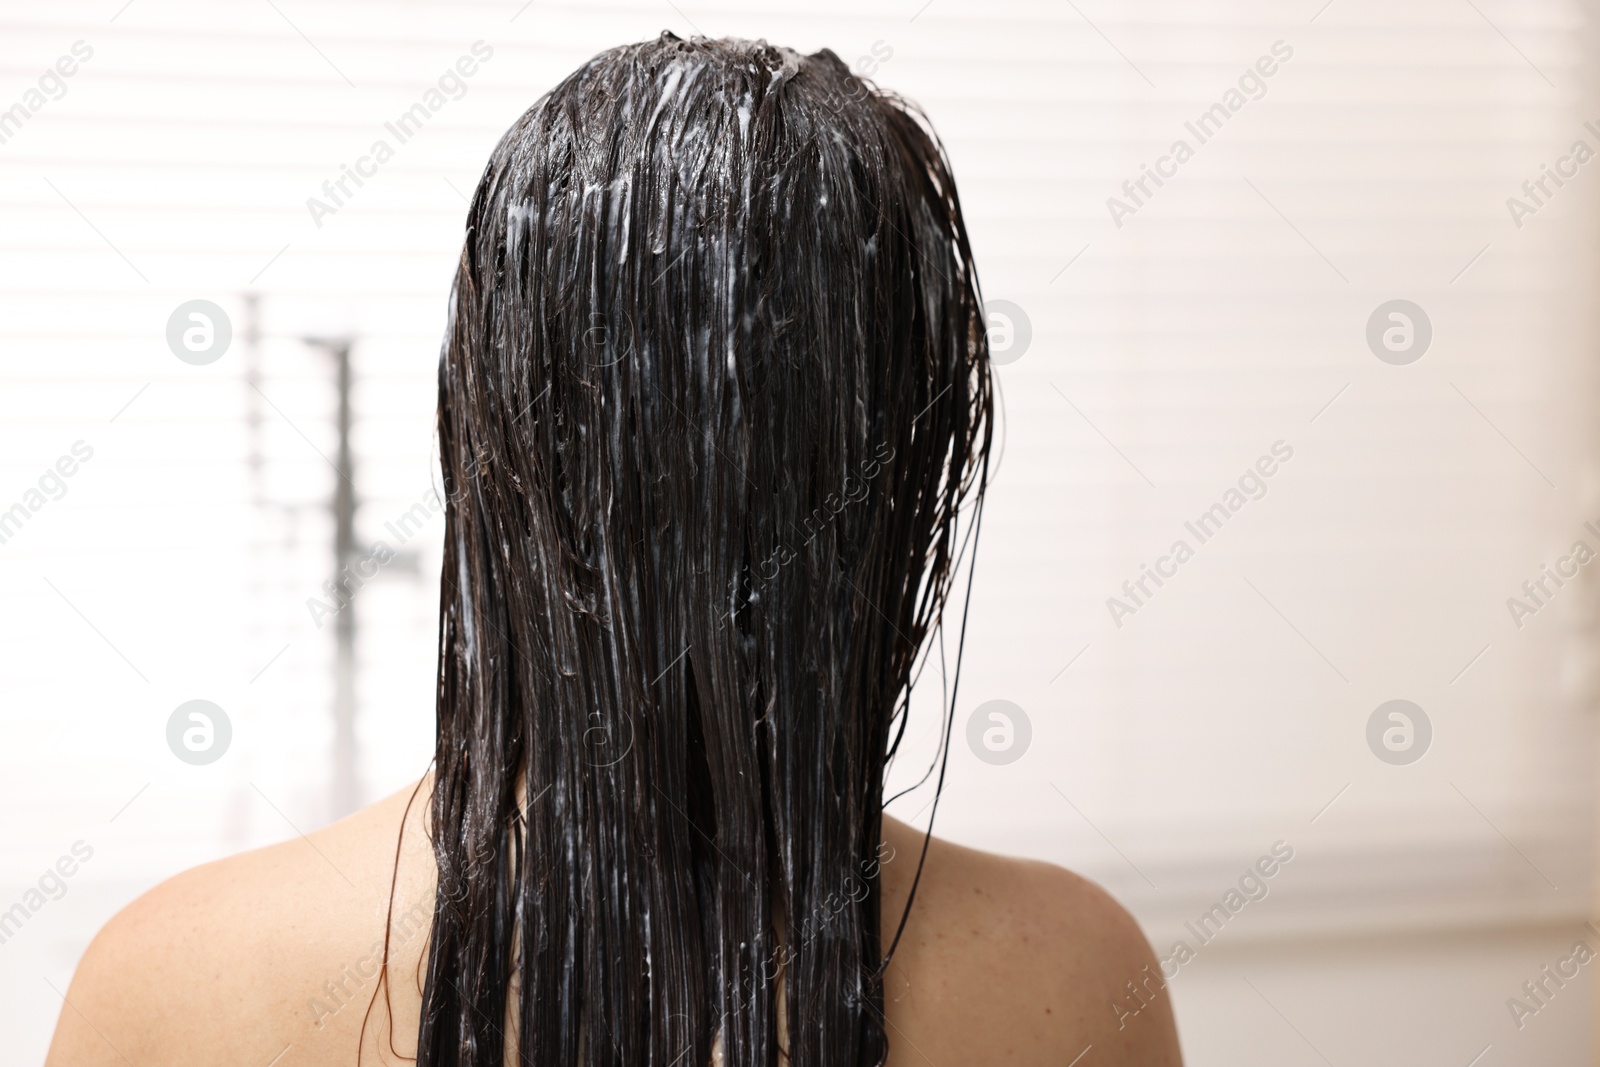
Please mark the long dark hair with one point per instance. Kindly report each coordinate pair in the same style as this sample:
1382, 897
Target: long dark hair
714, 396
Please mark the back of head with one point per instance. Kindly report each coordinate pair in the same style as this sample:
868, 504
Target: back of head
714, 391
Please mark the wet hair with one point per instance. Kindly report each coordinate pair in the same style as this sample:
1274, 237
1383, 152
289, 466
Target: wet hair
714, 399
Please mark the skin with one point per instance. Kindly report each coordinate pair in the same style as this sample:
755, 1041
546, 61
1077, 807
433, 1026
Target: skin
1003, 960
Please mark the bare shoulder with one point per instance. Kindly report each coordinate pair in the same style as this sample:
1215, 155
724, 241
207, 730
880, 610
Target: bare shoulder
1039, 955
273, 957
271, 953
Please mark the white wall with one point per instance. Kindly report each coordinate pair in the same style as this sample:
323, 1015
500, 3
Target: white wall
1167, 354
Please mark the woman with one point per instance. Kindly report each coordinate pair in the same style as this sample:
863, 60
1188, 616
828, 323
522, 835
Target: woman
715, 416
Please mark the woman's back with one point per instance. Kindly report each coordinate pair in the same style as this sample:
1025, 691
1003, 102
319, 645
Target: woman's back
272, 958
715, 419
